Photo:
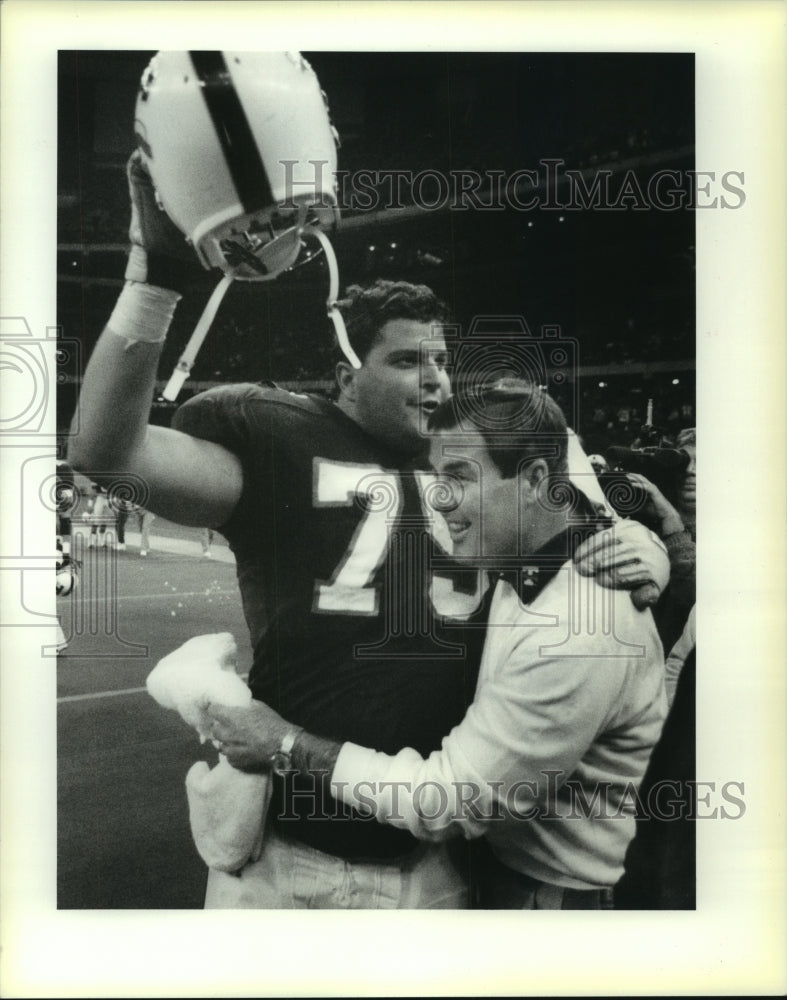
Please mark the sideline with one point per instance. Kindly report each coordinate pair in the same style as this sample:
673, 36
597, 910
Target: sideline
112, 694
161, 543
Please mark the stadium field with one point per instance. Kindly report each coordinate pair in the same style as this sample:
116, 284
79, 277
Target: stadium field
123, 833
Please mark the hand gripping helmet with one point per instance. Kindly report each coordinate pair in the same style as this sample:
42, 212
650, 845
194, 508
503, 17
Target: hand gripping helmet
242, 154
240, 148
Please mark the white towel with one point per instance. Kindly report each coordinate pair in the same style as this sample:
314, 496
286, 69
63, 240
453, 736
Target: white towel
227, 810
198, 672
227, 807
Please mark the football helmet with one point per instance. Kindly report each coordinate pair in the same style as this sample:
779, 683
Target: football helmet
66, 572
242, 154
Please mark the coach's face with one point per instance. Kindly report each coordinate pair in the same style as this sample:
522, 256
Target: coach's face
402, 380
480, 507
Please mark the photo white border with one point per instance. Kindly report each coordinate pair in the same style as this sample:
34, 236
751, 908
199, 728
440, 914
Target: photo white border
733, 944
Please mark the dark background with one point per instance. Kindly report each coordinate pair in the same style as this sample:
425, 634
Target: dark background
621, 283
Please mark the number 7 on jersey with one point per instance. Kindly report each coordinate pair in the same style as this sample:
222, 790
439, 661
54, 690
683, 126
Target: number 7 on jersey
378, 494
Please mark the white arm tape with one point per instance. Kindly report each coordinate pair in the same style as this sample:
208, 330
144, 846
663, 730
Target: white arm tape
143, 313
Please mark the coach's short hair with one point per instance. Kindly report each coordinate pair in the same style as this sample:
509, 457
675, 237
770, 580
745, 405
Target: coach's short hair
366, 310
519, 423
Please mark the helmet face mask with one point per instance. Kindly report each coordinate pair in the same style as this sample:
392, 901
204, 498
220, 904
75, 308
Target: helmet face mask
241, 152
256, 256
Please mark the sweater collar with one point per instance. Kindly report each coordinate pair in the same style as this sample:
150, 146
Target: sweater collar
536, 570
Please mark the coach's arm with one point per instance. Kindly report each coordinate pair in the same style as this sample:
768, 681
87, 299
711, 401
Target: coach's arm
535, 714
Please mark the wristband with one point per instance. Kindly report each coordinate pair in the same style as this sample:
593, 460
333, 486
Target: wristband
143, 313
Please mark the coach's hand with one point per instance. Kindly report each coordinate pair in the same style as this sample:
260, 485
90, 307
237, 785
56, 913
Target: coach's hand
249, 736
626, 556
159, 254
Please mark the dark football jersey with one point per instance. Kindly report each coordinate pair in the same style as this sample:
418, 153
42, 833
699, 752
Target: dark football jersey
336, 565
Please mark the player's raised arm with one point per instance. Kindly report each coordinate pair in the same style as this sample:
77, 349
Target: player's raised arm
190, 480
230, 144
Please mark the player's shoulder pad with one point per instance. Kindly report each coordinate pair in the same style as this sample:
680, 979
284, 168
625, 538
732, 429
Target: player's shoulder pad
228, 413
254, 392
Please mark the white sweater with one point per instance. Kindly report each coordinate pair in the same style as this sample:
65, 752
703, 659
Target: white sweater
571, 683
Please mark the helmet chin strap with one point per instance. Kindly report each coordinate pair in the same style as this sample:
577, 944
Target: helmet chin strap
183, 368
333, 293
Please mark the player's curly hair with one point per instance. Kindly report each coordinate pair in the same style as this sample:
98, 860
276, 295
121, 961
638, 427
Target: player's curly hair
367, 309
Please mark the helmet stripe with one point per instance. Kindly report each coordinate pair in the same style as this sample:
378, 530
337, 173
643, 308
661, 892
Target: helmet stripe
233, 130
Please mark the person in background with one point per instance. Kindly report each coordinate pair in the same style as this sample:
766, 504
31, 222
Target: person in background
66, 495
661, 861
206, 540
675, 525
125, 510
101, 515
145, 518
66, 576
686, 440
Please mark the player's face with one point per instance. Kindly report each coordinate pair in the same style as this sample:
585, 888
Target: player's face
687, 494
402, 380
482, 508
